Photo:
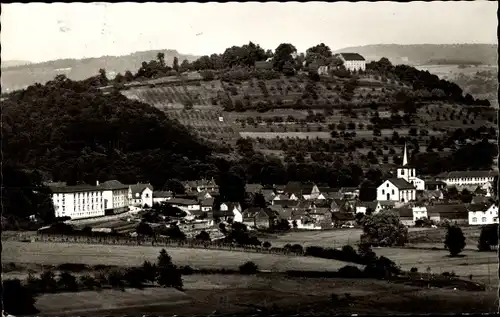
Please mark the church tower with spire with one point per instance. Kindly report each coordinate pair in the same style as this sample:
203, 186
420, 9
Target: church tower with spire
406, 172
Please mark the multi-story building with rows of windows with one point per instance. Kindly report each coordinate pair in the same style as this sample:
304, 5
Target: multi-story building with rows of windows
78, 201
87, 201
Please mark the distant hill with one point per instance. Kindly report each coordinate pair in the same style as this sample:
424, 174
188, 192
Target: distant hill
13, 63
19, 76
425, 54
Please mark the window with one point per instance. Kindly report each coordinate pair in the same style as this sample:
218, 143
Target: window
147, 195
383, 192
484, 219
474, 219
387, 185
495, 219
393, 191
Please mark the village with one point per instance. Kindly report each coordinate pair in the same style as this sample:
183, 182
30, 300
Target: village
419, 201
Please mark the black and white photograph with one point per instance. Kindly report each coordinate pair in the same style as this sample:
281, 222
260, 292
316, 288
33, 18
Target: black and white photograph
249, 158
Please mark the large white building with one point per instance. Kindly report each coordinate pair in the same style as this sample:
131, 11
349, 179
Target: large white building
115, 196
408, 173
396, 189
461, 178
78, 201
353, 61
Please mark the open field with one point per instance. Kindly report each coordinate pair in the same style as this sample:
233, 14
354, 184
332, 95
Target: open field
272, 135
59, 253
236, 293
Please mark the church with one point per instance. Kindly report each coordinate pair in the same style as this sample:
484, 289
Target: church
404, 187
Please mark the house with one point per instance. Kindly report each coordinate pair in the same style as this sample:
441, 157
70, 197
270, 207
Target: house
456, 213
408, 173
77, 201
405, 216
339, 219
287, 203
231, 210
201, 185
140, 195
434, 185
259, 217
115, 197
280, 197
433, 195
396, 189
342, 205
203, 195
161, 196
467, 177
419, 212
353, 61
320, 214
189, 206
349, 192
482, 214
386, 204
363, 207
280, 189
207, 204
309, 191
481, 200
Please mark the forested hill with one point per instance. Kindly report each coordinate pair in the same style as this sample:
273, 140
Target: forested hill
421, 54
72, 132
21, 76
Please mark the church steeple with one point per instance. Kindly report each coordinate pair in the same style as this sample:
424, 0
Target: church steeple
405, 157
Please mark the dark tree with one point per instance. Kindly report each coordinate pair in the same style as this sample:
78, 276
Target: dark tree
454, 240
17, 299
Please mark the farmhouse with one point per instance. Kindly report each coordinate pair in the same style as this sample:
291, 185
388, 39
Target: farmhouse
201, 185
115, 197
339, 219
467, 177
189, 206
231, 210
396, 189
207, 204
482, 214
140, 195
373, 206
457, 213
161, 196
259, 217
406, 216
78, 201
353, 61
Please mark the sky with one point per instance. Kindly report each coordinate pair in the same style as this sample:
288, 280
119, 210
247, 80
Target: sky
39, 32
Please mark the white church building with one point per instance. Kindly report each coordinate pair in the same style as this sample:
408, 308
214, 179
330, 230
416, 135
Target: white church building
404, 187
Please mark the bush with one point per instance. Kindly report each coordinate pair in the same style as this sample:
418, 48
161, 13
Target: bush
17, 299
488, 237
67, 282
266, 244
135, 277
167, 274
381, 268
350, 271
48, 283
249, 268
187, 270
413, 270
88, 282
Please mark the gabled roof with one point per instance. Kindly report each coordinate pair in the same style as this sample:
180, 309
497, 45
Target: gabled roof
446, 209
368, 204
401, 183
181, 201
231, 205
201, 182
113, 184
435, 182
478, 207
352, 57
320, 211
255, 212
286, 203
327, 190
162, 194
139, 188
253, 188
462, 174
404, 212
293, 187
342, 216
480, 200
207, 202
348, 190
281, 197
386, 203
307, 188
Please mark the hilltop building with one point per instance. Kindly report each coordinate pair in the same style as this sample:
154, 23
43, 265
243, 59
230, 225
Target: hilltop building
353, 61
77, 201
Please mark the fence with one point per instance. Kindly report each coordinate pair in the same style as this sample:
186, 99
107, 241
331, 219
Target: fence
158, 242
